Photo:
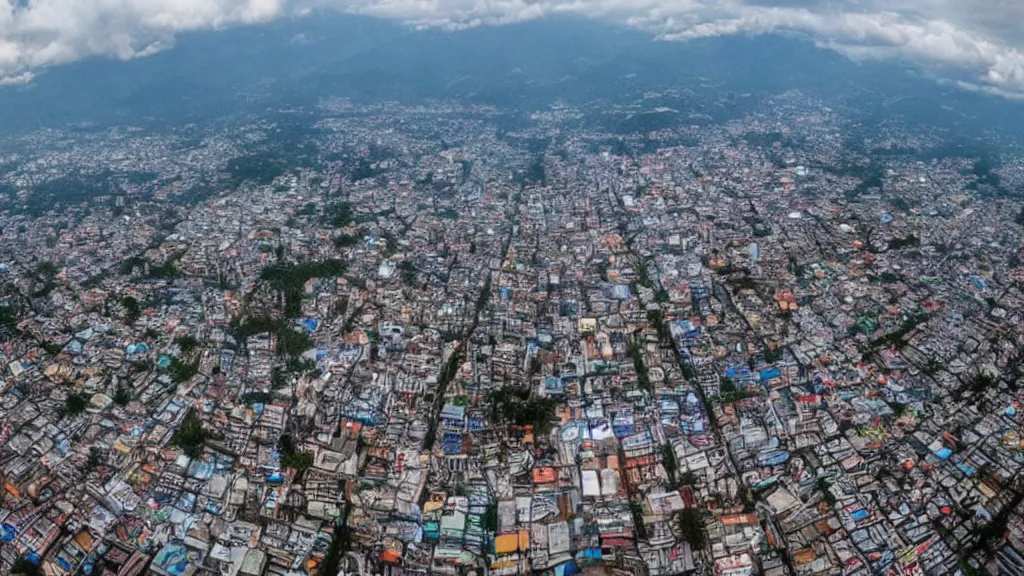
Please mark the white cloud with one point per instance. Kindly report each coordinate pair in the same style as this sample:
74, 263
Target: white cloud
40, 33
23, 78
982, 38
878, 35
451, 14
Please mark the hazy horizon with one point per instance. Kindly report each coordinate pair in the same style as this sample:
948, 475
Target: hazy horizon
530, 64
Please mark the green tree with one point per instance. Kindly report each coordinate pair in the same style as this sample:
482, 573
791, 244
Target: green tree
180, 371
637, 510
46, 269
910, 241
285, 445
131, 263
259, 168
132, 310
409, 271
190, 435
692, 528
122, 396
51, 348
168, 270
289, 341
515, 406
643, 276
257, 397
668, 459
345, 240
290, 280
96, 458
490, 519
823, 486
76, 403
339, 215
187, 343
339, 546
643, 380
298, 461
688, 372
983, 381
657, 321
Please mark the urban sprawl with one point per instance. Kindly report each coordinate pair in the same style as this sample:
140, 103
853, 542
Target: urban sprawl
443, 342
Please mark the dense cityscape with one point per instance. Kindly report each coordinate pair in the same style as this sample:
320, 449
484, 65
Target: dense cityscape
446, 339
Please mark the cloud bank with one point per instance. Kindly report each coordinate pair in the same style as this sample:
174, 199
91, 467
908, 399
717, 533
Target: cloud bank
981, 39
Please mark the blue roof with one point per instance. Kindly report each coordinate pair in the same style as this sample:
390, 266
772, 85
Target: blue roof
567, 569
453, 411
136, 348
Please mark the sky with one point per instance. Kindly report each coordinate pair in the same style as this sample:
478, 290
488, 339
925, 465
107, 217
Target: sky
978, 44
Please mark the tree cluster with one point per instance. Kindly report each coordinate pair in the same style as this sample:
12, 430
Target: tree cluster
517, 407
291, 279
289, 341
643, 379
181, 371
290, 457
76, 403
190, 435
